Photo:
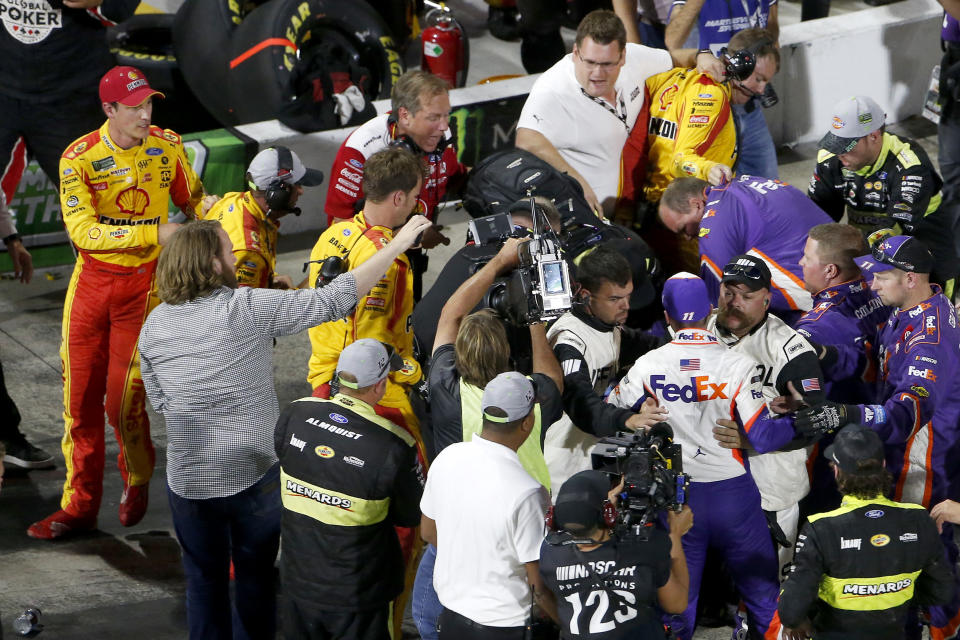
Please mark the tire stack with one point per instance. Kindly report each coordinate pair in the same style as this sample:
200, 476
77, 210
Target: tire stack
238, 58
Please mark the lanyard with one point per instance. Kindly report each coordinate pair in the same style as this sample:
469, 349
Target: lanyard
750, 17
603, 103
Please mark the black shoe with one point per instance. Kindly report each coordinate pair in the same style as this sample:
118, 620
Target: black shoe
503, 24
24, 455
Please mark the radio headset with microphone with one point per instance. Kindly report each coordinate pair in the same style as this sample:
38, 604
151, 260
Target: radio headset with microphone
279, 192
404, 141
741, 64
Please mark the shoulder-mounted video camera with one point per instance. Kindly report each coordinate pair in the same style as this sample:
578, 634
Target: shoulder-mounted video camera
495, 229
539, 289
652, 469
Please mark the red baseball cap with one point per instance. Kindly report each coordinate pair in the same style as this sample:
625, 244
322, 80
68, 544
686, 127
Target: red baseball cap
126, 85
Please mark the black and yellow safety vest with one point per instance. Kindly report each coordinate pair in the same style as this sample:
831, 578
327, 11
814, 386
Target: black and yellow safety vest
347, 477
861, 566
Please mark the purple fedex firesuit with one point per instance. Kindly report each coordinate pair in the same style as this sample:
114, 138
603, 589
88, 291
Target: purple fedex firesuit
919, 361
765, 218
850, 315
846, 314
700, 380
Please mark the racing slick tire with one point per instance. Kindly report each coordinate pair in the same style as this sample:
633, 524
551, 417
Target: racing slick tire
277, 36
201, 40
145, 41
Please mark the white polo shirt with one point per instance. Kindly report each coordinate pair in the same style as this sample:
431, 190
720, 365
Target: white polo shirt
489, 514
587, 134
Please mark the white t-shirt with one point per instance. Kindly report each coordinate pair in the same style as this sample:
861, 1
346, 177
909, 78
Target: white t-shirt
489, 514
586, 133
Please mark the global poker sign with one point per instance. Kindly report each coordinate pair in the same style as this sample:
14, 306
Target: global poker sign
29, 21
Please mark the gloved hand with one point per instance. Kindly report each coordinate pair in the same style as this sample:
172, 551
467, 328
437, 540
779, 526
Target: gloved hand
825, 418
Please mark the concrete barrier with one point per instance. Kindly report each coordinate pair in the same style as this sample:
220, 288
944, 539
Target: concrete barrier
885, 52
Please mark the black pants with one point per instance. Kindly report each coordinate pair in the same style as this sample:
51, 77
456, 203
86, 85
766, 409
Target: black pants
9, 415
310, 623
47, 127
453, 626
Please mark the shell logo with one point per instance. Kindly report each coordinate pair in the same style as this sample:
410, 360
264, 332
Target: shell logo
324, 451
133, 201
838, 123
132, 75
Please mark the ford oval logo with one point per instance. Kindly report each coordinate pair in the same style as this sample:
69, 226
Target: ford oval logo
336, 417
154, 151
876, 513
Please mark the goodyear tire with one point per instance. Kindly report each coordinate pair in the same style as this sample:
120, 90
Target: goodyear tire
265, 48
146, 42
201, 41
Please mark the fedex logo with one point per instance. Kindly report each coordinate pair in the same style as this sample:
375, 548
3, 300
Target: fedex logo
690, 336
700, 389
922, 373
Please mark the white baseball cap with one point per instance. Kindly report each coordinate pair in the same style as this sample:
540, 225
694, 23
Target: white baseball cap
853, 118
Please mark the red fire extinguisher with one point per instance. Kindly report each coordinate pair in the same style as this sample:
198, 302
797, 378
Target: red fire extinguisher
445, 48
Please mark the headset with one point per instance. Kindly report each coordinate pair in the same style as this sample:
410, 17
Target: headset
280, 192
740, 65
404, 141
608, 517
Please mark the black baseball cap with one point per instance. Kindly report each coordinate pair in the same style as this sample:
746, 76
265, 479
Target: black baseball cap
580, 500
855, 443
748, 270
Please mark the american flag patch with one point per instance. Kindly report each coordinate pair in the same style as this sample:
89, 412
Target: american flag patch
810, 384
693, 364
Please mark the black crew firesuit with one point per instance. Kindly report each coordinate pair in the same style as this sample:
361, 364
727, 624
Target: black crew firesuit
347, 478
51, 61
900, 191
858, 568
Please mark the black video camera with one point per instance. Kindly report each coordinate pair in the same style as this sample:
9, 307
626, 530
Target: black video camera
652, 469
539, 289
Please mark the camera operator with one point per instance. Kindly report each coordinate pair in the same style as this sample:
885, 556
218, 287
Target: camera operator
472, 350
700, 381
859, 567
590, 342
589, 567
467, 261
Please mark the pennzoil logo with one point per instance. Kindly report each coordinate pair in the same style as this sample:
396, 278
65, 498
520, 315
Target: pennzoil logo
880, 540
324, 451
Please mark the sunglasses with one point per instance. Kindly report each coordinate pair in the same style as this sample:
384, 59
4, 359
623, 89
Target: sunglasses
749, 271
